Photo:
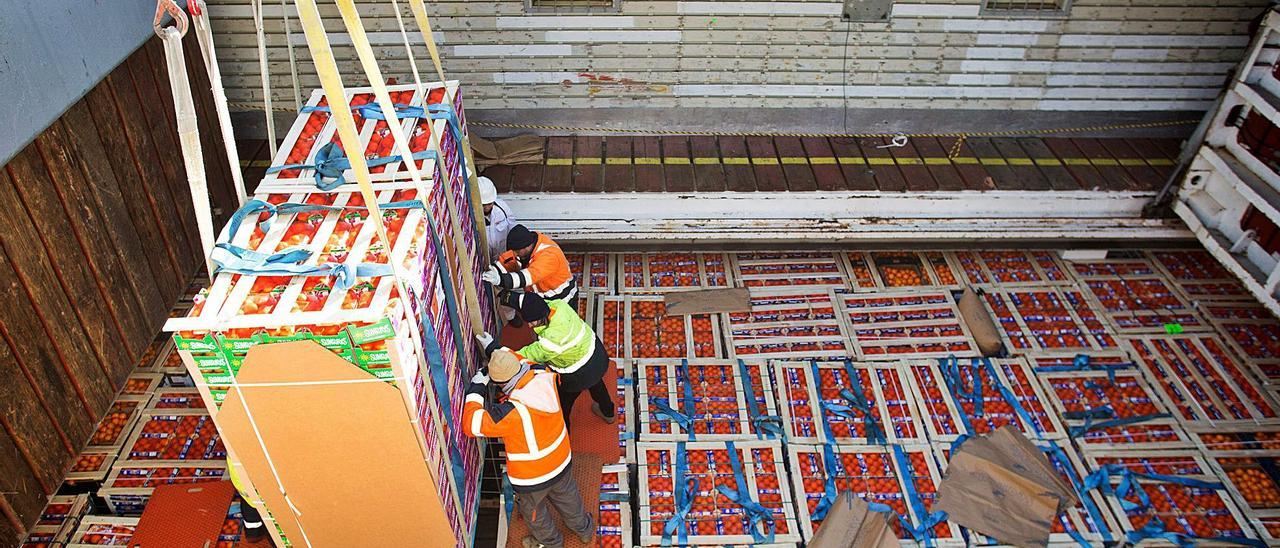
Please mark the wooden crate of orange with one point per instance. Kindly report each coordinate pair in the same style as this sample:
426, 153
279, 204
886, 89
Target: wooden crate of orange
613, 528
787, 323
594, 271
176, 398
91, 467
878, 390
129, 486
1202, 381
1009, 393
662, 272
1048, 320
1135, 297
900, 324
711, 517
787, 269
875, 270
1200, 276
1011, 268
115, 427
97, 530
885, 474
1252, 331
1090, 398
1202, 513
625, 400
637, 326
716, 396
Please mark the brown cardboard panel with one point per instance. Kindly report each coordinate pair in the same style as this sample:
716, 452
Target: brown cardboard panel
708, 301
346, 454
980, 324
852, 524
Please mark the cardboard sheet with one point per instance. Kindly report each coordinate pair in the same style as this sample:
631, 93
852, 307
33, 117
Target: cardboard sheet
980, 324
346, 454
522, 149
851, 524
708, 301
1002, 486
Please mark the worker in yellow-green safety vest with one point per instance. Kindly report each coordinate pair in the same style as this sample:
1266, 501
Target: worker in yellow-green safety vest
255, 531
569, 347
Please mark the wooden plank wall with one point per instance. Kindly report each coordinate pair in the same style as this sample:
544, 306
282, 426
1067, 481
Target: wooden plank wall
97, 241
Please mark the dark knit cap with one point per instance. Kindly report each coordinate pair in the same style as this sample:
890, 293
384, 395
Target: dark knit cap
520, 238
533, 308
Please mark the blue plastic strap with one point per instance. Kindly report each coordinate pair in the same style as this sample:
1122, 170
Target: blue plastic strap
685, 489
664, 411
754, 512
331, 163
686, 402
854, 395
832, 468
950, 368
1089, 425
1082, 363
508, 497
1101, 480
344, 275
1155, 529
836, 409
924, 532
765, 425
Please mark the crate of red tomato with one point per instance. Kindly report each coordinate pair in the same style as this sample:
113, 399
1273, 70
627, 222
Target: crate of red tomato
976, 397
638, 326
705, 400
875, 270
662, 272
847, 402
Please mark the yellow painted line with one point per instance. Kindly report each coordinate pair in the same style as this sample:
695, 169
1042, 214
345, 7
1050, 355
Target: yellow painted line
1132, 162
559, 161
588, 161
1160, 161
993, 161
937, 161
651, 161
763, 161
1048, 162
705, 161
618, 161
1076, 161
1021, 162
736, 161
852, 160
822, 160
880, 161
681, 160
794, 160
967, 160
1105, 162
909, 161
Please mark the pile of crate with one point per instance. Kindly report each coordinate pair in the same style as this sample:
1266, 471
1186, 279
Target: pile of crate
415, 333
856, 371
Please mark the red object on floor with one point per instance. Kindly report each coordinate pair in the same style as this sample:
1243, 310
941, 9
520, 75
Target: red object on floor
588, 433
179, 516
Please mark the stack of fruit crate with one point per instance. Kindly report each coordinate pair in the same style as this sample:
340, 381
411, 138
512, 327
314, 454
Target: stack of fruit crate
370, 321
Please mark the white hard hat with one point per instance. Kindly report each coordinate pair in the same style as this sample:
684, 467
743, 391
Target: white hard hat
488, 192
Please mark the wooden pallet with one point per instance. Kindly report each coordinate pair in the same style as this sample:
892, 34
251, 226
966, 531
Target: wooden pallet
788, 323
637, 326
713, 394
664, 272
872, 473
1011, 268
787, 269
946, 408
710, 521
1128, 394
904, 325
1047, 319
880, 270
886, 388
1201, 381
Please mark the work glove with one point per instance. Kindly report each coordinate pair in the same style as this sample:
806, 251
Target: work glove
480, 378
485, 340
491, 276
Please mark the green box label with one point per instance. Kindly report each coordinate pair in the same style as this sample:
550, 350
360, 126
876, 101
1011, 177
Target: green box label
204, 344
370, 333
333, 342
263, 338
210, 362
217, 378
237, 346
384, 374
373, 357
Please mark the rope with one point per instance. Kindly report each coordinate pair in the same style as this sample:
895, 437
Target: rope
293, 59
204, 34
267, 108
189, 139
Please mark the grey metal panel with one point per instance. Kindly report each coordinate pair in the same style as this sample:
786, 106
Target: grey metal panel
53, 51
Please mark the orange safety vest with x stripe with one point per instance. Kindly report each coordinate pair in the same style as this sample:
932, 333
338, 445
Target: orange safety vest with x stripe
530, 425
547, 274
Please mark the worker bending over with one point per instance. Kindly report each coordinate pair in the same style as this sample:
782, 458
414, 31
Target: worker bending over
529, 422
570, 347
498, 218
534, 264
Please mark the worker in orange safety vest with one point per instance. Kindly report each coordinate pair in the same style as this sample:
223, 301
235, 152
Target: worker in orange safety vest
533, 263
529, 422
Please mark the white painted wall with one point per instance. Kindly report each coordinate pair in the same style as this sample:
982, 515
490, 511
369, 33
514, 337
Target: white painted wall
1122, 55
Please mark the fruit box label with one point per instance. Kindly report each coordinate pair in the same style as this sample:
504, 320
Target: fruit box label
370, 333
237, 346
210, 362
204, 344
263, 338
333, 342
372, 357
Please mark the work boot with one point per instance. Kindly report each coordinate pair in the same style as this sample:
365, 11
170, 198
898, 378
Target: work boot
590, 534
610, 419
530, 542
